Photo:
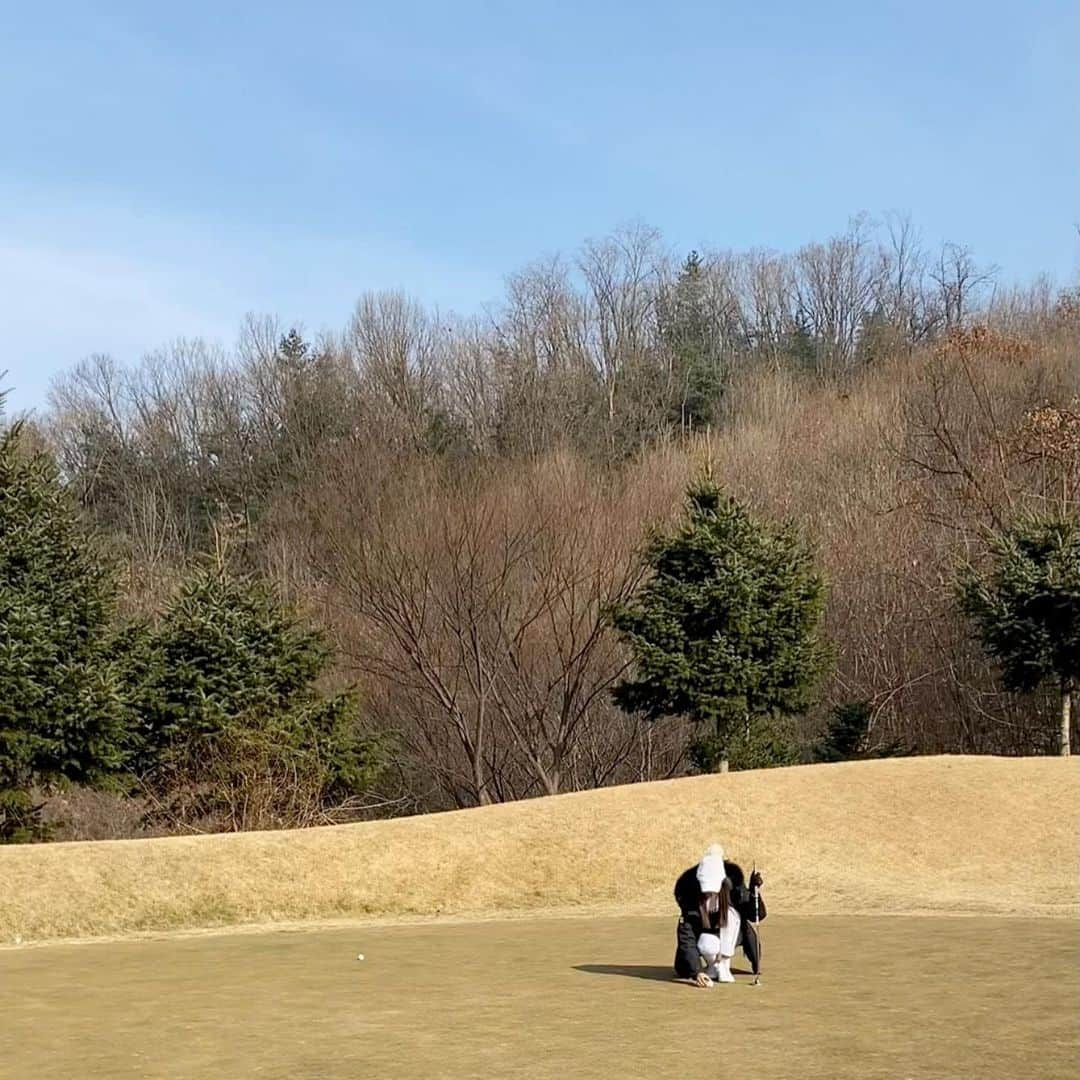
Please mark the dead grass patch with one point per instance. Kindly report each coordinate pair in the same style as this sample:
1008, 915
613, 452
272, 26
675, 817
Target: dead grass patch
946, 834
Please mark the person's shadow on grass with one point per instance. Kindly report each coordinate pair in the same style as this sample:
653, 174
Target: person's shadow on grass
639, 971
630, 971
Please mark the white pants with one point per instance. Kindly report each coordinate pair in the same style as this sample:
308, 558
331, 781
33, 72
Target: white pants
721, 945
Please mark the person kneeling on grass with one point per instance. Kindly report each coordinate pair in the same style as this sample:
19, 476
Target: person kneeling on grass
716, 909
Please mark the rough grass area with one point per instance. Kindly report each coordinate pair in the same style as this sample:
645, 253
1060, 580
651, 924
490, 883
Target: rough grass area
861, 998
947, 834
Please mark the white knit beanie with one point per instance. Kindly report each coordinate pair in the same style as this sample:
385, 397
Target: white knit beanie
710, 871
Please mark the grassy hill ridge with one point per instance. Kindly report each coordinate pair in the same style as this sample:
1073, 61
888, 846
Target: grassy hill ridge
945, 834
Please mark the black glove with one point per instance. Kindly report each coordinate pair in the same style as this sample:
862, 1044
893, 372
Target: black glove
755, 880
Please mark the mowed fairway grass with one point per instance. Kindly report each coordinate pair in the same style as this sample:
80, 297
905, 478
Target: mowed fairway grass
567, 998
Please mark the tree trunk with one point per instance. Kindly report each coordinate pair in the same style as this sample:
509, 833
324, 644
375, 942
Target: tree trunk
1066, 717
723, 765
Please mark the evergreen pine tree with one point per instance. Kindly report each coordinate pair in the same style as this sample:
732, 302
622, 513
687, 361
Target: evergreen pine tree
726, 630
62, 707
847, 735
688, 331
229, 674
292, 351
1026, 608
801, 346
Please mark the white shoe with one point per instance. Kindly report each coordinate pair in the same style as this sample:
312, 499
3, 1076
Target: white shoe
723, 971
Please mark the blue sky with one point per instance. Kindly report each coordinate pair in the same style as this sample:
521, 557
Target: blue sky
166, 168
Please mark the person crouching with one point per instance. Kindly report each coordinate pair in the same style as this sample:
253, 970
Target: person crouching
709, 926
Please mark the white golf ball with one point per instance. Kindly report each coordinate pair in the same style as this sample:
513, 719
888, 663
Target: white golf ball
360, 956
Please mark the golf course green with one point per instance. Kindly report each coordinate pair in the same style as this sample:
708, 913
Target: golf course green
858, 997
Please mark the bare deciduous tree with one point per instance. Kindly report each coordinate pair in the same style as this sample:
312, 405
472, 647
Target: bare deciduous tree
480, 608
959, 281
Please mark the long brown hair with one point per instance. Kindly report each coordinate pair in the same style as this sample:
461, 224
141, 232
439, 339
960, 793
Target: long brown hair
713, 920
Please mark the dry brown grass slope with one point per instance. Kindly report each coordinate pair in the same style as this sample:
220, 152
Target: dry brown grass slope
947, 834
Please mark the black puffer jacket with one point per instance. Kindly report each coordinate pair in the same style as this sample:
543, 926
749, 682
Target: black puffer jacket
688, 897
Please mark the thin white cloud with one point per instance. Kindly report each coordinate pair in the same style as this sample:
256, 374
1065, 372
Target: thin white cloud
61, 304
80, 277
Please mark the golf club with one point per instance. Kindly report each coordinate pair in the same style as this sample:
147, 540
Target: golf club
757, 930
